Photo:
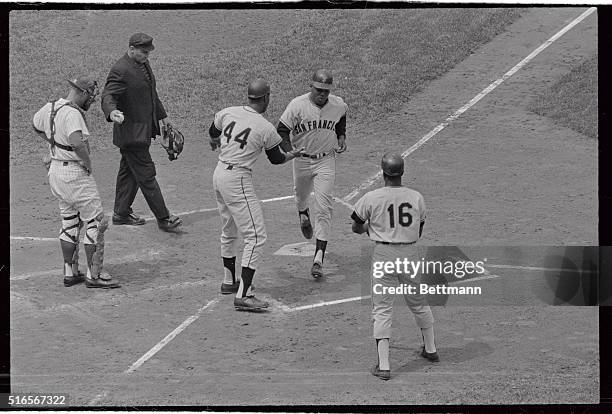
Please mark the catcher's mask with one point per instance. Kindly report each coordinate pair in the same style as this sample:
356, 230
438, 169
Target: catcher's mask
86, 85
172, 141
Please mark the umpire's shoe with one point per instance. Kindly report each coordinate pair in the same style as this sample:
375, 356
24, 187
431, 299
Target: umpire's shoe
250, 303
383, 374
169, 224
305, 225
74, 280
317, 270
430, 356
131, 220
103, 281
229, 288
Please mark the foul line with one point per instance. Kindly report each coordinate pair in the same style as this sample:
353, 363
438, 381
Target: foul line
356, 298
120, 260
366, 184
169, 337
158, 347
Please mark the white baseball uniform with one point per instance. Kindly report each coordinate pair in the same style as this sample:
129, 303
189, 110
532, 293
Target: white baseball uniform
313, 128
245, 134
394, 215
75, 189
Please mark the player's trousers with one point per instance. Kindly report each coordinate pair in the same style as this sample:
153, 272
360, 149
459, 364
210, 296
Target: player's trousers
382, 300
137, 171
240, 210
75, 190
318, 175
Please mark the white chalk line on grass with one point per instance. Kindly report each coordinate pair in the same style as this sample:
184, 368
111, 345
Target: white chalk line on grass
356, 298
150, 218
170, 337
120, 260
366, 184
159, 346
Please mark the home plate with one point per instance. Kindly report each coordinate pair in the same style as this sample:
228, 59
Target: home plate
296, 249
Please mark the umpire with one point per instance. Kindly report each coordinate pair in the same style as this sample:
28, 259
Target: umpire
130, 101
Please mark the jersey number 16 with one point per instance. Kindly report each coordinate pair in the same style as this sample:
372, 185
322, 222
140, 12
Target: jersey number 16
241, 138
404, 216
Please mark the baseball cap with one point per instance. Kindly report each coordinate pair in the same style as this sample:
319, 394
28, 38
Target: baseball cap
258, 88
83, 83
322, 79
142, 41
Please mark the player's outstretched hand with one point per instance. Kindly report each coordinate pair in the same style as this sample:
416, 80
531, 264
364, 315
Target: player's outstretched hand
341, 145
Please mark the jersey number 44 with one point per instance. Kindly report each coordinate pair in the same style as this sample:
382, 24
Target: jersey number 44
240, 137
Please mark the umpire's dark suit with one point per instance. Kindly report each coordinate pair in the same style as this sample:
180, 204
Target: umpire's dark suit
129, 90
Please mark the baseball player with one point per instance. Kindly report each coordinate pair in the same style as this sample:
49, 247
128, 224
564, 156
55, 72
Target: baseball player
394, 217
62, 124
317, 122
242, 133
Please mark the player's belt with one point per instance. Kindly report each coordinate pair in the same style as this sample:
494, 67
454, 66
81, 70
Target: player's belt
65, 162
230, 166
316, 156
401, 243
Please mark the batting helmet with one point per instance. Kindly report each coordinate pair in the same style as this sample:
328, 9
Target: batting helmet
322, 79
258, 88
392, 164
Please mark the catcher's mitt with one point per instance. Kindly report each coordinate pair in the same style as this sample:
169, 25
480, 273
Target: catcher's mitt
172, 141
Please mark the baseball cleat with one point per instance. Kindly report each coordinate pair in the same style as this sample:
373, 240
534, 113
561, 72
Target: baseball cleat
74, 280
430, 356
229, 288
250, 303
131, 220
317, 270
101, 283
170, 224
306, 226
383, 374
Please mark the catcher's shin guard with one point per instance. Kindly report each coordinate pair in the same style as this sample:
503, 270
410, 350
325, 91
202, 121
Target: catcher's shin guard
69, 240
94, 243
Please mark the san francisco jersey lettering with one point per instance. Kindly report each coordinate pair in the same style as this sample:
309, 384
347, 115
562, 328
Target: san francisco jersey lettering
312, 127
244, 134
395, 214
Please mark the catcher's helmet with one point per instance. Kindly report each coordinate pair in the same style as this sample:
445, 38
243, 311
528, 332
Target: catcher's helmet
392, 164
258, 88
322, 79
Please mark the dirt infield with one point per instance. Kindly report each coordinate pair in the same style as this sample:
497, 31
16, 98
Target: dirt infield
498, 175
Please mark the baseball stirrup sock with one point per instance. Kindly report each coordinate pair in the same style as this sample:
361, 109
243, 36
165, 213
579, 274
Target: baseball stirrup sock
245, 281
428, 339
382, 347
229, 268
320, 247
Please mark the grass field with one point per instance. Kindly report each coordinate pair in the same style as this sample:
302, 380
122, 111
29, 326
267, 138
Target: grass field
572, 100
499, 180
365, 49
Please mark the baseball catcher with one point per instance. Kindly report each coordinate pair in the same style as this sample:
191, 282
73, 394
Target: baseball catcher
62, 124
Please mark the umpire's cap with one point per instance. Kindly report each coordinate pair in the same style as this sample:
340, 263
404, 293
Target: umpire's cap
142, 41
258, 88
392, 164
322, 79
